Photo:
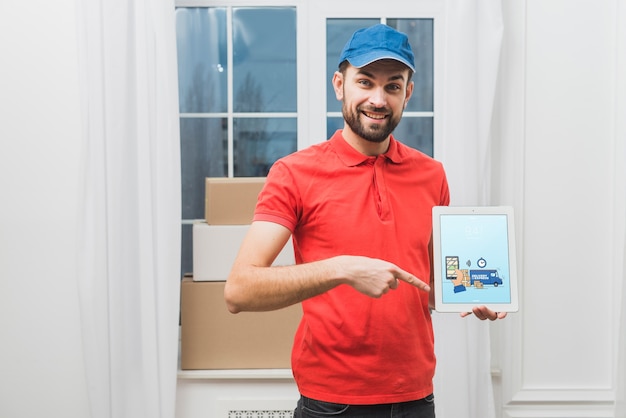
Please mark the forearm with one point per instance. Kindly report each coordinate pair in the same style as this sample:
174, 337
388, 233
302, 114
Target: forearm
253, 288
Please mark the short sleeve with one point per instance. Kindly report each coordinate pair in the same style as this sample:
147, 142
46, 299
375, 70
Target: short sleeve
279, 201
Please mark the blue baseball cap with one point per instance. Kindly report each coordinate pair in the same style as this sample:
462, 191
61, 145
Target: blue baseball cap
376, 43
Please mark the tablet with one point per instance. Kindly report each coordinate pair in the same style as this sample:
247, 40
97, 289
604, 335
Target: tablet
474, 258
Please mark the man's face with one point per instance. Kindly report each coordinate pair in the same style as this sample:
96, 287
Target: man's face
373, 97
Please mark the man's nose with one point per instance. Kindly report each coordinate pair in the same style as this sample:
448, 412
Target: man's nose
378, 98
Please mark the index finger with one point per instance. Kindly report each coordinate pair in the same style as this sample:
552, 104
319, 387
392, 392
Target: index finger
412, 280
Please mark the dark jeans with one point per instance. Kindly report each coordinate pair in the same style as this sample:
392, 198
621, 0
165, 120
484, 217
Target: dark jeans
310, 408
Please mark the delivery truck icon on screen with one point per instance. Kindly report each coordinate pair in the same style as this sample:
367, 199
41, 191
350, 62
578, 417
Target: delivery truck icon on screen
472, 277
485, 277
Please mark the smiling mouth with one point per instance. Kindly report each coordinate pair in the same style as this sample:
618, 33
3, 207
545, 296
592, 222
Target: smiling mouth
376, 116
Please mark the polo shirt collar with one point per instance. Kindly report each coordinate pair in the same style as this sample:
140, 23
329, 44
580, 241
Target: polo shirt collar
352, 157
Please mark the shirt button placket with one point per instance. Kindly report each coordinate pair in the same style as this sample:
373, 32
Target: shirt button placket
381, 188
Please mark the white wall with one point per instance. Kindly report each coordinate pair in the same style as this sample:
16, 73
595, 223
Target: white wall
561, 166
41, 372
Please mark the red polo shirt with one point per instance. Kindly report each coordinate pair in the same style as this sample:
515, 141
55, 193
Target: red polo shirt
351, 348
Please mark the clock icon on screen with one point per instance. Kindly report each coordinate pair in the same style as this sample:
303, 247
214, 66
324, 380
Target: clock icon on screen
481, 262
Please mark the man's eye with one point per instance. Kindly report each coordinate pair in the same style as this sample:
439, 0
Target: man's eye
364, 82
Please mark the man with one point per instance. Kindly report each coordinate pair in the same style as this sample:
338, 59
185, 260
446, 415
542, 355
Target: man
359, 209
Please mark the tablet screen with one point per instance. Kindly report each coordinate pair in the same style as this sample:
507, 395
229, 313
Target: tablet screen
474, 258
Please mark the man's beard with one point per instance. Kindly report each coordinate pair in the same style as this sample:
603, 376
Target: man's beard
375, 132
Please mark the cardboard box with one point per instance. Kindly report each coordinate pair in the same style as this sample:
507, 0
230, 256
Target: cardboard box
213, 338
215, 248
231, 201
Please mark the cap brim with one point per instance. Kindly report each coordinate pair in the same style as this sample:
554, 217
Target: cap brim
366, 59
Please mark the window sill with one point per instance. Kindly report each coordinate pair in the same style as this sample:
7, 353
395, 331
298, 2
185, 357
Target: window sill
239, 374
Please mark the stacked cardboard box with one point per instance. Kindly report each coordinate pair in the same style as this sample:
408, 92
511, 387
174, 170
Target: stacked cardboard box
212, 337
231, 201
216, 246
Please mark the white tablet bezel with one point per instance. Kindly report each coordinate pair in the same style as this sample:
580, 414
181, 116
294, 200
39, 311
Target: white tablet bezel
453, 302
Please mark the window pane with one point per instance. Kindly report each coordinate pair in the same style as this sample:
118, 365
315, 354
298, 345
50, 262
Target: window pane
203, 150
416, 133
420, 33
264, 59
338, 32
201, 48
332, 124
259, 142
186, 256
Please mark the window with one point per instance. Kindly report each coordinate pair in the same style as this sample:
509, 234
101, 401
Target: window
254, 84
237, 86
238, 97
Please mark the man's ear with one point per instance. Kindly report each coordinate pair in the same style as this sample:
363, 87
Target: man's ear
338, 85
409, 93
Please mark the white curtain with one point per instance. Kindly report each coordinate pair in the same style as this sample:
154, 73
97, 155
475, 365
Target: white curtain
129, 258
473, 37
620, 207
620, 384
